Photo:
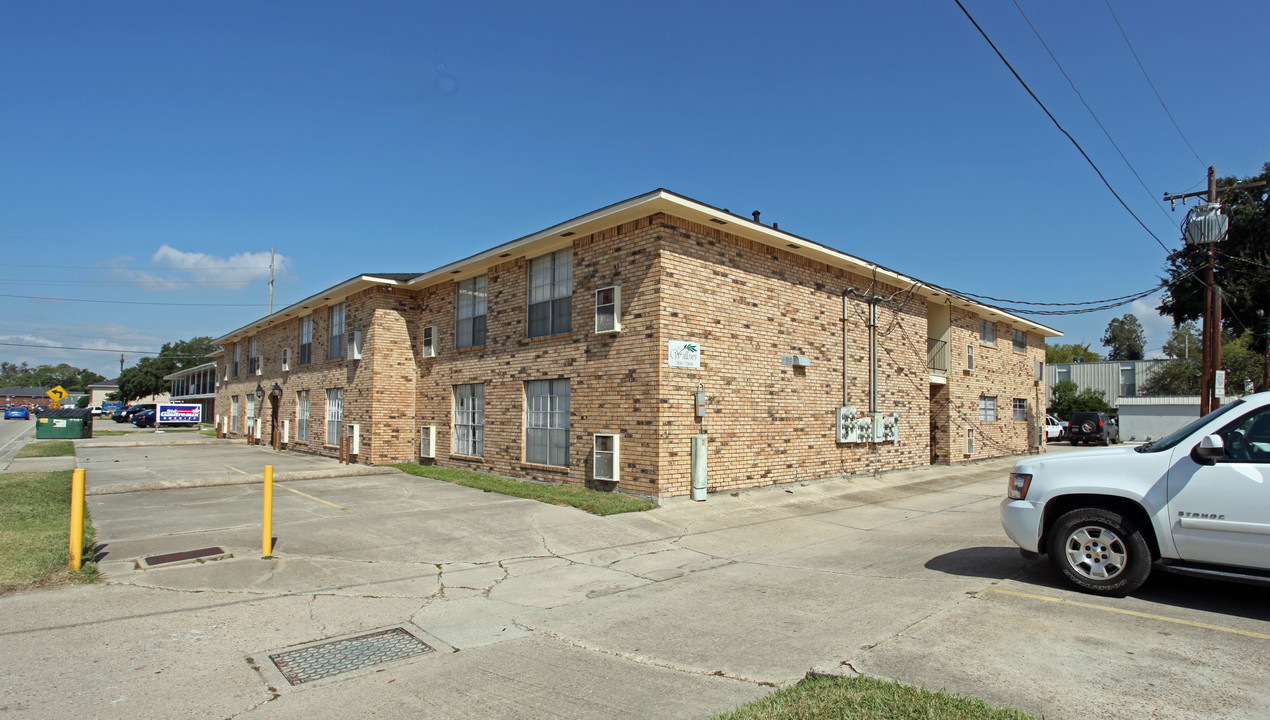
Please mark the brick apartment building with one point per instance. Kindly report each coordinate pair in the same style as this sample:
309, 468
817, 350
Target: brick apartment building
576, 354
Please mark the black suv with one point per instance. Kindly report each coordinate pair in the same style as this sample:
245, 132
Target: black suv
1092, 427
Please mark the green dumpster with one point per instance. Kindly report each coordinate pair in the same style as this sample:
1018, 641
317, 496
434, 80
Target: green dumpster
64, 423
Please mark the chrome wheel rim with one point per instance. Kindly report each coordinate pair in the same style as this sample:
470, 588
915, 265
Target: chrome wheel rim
1096, 553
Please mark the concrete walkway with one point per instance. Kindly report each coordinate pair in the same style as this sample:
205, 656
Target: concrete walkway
531, 610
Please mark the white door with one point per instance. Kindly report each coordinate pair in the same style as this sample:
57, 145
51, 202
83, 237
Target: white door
1221, 513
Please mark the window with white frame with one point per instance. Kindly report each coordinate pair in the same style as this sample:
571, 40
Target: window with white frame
469, 420
547, 422
302, 416
1020, 410
469, 323
238, 356
335, 343
429, 341
551, 293
987, 408
234, 408
1063, 373
253, 360
334, 415
306, 339
970, 441
1020, 341
987, 332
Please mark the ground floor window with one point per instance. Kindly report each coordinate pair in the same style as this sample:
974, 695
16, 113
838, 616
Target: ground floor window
469, 420
334, 415
547, 422
302, 416
251, 414
987, 409
1020, 409
233, 414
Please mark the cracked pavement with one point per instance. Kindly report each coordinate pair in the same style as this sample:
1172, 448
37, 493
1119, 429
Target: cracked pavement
544, 611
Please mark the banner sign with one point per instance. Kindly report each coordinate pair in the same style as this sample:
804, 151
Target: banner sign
191, 413
112, 406
683, 354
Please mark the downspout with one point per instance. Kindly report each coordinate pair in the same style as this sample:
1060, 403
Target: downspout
845, 314
873, 357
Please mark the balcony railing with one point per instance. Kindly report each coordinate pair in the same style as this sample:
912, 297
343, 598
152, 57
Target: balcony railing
937, 356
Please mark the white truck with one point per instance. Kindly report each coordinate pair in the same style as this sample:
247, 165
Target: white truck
1196, 502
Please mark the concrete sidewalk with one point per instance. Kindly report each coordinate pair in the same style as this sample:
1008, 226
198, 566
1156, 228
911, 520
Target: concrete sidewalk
531, 610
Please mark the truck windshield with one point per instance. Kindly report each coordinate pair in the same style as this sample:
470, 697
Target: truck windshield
1169, 441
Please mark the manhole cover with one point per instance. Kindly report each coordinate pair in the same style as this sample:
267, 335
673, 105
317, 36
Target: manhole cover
340, 656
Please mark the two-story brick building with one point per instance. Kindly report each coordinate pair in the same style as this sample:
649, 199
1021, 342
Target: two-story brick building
593, 352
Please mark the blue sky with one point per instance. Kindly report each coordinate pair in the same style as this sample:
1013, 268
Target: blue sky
154, 152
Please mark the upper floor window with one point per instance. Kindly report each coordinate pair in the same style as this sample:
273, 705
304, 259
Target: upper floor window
306, 339
253, 360
987, 332
551, 293
335, 348
469, 325
1020, 341
238, 356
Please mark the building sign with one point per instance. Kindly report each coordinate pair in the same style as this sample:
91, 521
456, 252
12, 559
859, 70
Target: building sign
112, 407
191, 414
684, 355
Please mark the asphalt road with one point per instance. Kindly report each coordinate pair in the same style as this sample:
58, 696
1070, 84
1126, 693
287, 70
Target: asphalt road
539, 611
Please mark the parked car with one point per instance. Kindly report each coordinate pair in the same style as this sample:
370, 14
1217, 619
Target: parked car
98, 411
125, 415
144, 417
1092, 427
1195, 500
1054, 429
17, 412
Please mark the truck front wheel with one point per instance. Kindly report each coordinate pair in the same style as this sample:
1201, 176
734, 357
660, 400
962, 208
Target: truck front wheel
1100, 551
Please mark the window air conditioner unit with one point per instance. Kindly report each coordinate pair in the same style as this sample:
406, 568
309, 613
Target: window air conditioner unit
286, 432
286, 359
260, 367
970, 358
353, 432
608, 309
970, 441
1040, 371
606, 458
428, 441
355, 345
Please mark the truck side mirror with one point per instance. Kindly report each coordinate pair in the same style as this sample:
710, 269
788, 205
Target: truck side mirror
1208, 450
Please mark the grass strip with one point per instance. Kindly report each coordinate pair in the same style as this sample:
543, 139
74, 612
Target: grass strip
47, 448
820, 698
592, 501
35, 512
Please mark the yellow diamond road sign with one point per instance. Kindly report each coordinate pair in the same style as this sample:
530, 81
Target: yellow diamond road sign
58, 394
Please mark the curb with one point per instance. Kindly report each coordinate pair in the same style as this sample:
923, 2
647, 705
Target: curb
150, 485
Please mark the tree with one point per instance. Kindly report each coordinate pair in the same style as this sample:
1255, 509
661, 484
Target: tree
1125, 338
1070, 352
1068, 398
146, 377
1243, 268
1180, 376
71, 378
1183, 342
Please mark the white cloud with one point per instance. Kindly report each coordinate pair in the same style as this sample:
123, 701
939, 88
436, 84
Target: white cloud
175, 270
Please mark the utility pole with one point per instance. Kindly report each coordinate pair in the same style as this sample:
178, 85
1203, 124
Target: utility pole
1208, 226
271, 280
121, 363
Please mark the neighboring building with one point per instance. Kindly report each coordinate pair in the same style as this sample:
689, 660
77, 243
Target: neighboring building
575, 355
25, 396
1153, 417
196, 386
97, 392
1115, 379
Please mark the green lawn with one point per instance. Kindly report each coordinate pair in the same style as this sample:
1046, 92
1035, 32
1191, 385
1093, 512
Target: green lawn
592, 501
47, 448
866, 699
35, 510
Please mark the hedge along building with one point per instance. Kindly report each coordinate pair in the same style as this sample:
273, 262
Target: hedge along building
593, 352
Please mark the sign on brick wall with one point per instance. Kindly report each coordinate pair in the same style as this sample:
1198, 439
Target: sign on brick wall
684, 354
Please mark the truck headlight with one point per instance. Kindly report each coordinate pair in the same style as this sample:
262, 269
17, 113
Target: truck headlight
1019, 483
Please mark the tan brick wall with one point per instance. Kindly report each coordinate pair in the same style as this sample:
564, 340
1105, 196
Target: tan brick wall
746, 304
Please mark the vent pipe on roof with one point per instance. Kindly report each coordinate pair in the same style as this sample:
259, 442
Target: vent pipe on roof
756, 214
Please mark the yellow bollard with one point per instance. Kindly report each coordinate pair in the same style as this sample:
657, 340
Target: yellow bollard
77, 520
266, 537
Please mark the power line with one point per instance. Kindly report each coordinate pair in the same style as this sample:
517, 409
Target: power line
1059, 126
1091, 110
1131, 297
85, 283
131, 302
1148, 77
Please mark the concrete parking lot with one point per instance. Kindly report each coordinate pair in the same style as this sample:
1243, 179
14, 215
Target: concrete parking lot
532, 610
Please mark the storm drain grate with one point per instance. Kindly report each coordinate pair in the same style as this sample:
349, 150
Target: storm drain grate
184, 555
340, 656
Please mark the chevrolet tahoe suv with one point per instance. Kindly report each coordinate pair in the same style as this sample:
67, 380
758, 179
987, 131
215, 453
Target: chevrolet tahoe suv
1196, 502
